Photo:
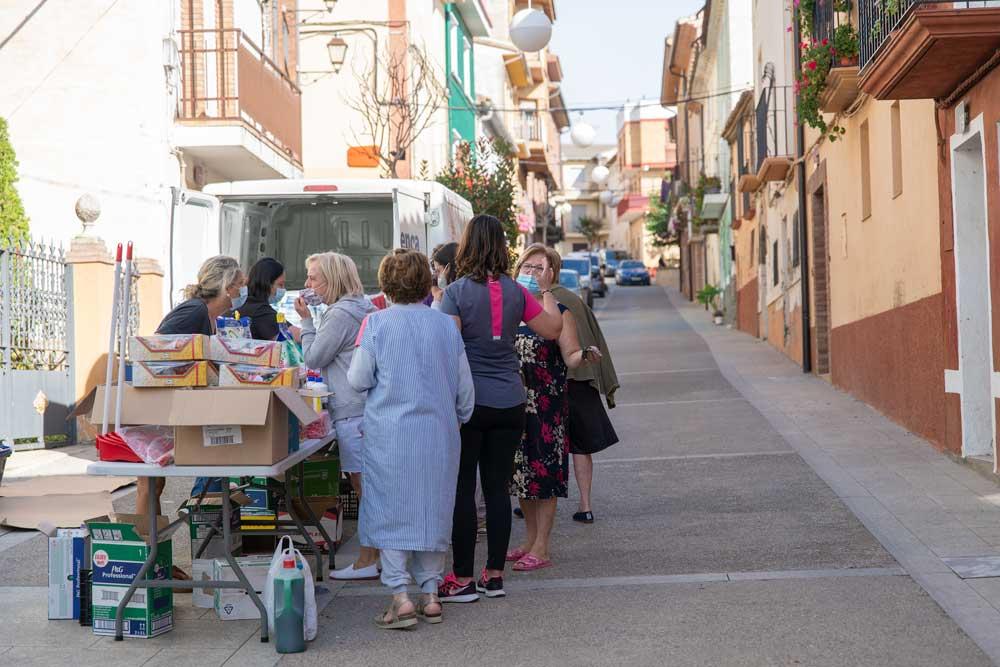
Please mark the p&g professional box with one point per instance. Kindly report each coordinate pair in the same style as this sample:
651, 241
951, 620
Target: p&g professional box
119, 545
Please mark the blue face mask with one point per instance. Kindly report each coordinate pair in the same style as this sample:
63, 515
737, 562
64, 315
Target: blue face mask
529, 283
241, 299
277, 297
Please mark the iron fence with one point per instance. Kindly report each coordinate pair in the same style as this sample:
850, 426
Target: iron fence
774, 122
878, 19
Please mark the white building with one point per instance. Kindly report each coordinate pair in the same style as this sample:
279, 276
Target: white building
133, 100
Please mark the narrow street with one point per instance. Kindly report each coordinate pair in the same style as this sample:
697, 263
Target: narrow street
715, 543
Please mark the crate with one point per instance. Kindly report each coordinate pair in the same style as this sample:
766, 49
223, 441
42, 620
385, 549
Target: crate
348, 500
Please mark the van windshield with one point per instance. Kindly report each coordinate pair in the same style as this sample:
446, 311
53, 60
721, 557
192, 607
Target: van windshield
290, 229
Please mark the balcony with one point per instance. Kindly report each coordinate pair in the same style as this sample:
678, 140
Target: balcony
924, 49
238, 113
632, 207
842, 82
774, 123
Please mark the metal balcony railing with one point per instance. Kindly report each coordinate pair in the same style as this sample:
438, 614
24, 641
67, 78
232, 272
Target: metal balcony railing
530, 126
226, 77
877, 19
774, 123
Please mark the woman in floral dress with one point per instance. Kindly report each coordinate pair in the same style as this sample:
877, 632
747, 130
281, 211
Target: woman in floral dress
541, 463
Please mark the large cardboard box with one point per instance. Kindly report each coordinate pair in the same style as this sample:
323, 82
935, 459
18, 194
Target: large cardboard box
69, 552
174, 374
119, 546
171, 347
217, 426
233, 604
246, 351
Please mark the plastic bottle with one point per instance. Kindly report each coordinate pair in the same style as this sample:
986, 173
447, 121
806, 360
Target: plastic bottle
289, 608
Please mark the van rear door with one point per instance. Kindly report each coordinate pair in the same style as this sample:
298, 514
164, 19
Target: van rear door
194, 237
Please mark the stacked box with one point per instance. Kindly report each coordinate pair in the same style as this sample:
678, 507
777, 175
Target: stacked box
69, 552
174, 374
321, 475
118, 550
246, 351
258, 377
234, 604
168, 347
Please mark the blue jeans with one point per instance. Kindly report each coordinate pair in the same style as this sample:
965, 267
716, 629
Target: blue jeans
208, 484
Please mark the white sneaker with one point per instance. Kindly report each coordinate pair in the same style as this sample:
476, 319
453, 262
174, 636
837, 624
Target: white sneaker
350, 574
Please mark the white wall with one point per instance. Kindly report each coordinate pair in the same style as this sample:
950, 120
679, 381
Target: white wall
90, 110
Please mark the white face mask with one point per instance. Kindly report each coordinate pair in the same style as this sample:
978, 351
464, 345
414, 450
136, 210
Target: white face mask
442, 280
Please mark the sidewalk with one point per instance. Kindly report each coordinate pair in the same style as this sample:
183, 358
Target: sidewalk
937, 517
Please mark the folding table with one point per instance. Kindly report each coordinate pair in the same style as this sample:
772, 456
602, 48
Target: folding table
296, 526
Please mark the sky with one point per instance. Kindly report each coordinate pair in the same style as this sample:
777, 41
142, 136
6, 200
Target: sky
612, 52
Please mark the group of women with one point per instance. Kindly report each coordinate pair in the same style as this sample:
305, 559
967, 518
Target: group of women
491, 377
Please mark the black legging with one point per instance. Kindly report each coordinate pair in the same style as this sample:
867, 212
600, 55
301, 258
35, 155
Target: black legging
489, 441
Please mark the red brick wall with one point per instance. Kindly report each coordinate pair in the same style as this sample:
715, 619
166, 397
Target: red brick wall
893, 361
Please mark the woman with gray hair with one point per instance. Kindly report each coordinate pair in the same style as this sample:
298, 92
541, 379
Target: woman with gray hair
333, 280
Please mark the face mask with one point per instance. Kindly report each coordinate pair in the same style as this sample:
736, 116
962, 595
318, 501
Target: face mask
310, 296
529, 283
277, 297
241, 299
442, 280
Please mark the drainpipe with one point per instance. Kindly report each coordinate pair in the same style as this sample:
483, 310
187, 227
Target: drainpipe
803, 235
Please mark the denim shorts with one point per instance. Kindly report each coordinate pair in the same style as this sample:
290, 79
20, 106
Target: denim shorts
350, 441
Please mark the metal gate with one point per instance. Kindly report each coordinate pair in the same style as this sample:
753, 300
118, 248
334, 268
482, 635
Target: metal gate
36, 325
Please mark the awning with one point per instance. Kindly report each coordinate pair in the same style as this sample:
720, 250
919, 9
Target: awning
713, 206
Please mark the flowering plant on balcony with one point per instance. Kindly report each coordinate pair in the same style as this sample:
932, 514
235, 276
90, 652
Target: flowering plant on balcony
706, 185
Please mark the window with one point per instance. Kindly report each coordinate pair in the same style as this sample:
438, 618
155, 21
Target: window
866, 174
796, 240
774, 263
455, 54
897, 152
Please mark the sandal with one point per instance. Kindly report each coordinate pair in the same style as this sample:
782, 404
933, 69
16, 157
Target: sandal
584, 517
531, 562
515, 555
427, 600
396, 620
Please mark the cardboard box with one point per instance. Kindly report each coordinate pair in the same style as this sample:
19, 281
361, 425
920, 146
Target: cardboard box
233, 604
174, 374
216, 426
201, 570
119, 545
69, 552
321, 475
246, 351
256, 377
173, 347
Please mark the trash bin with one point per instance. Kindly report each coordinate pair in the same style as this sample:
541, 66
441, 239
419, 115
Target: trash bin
5, 452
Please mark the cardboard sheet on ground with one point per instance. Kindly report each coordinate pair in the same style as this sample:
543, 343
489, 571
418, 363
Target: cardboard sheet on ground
62, 485
64, 511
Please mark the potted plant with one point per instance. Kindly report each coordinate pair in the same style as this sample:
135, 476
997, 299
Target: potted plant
709, 297
845, 45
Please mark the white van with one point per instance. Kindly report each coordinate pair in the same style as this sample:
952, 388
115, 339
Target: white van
291, 219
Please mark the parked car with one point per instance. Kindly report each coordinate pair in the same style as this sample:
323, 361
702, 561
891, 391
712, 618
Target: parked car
612, 258
633, 272
570, 279
582, 266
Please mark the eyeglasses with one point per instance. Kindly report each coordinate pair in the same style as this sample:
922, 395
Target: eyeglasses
532, 268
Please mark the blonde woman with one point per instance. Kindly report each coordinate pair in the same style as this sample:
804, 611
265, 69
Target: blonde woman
221, 287
334, 278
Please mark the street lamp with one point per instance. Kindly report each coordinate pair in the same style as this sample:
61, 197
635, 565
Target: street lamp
599, 175
337, 48
530, 30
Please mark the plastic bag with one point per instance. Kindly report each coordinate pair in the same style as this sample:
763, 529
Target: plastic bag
153, 444
309, 621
